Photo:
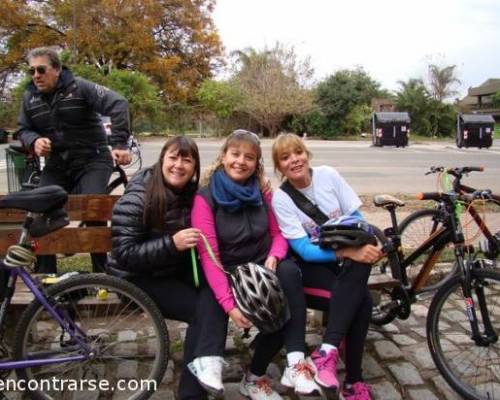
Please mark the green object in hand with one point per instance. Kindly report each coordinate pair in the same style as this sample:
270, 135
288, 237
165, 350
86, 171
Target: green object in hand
195, 268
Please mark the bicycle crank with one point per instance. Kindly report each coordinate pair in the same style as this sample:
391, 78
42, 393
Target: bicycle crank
400, 295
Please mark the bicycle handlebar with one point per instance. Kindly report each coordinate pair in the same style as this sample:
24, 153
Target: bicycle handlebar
457, 172
450, 197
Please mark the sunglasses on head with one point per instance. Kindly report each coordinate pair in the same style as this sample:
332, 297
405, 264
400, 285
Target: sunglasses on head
242, 133
41, 69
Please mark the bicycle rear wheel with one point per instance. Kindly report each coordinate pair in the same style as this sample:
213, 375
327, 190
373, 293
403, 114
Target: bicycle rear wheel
119, 322
414, 230
472, 370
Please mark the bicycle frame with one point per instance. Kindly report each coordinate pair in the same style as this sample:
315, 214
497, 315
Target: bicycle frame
65, 322
450, 232
475, 215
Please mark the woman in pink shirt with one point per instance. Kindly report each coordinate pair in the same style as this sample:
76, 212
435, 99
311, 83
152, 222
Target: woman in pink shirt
235, 215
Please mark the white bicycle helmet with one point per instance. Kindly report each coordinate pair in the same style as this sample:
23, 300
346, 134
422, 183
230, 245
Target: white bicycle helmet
259, 297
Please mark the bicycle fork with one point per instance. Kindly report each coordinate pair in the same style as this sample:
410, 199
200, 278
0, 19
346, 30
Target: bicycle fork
477, 286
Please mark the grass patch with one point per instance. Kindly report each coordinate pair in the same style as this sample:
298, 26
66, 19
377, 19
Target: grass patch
411, 203
497, 131
414, 138
77, 262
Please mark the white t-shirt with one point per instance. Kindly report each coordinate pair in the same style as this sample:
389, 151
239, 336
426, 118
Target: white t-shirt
328, 190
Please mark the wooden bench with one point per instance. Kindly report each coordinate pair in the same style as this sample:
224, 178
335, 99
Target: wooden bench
68, 240
96, 239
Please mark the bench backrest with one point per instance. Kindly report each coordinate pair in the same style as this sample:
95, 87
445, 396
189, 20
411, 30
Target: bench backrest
71, 239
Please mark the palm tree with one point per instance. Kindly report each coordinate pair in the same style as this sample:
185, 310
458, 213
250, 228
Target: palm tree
441, 81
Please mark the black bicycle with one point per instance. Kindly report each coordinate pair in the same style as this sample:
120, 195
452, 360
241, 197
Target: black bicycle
480, 221
24, 168
463, 320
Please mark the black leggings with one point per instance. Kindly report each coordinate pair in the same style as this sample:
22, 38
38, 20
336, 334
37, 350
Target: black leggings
293, 333
349, 307
177, 299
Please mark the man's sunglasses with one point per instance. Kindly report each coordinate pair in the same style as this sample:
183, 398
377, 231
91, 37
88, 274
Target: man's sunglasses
41, 69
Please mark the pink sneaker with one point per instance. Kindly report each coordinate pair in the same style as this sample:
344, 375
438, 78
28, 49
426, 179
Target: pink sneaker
356, 391
326, 368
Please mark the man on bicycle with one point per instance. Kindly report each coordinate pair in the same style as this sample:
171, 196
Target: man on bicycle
60, 120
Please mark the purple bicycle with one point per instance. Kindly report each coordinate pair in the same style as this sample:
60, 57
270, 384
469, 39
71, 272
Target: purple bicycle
93, 332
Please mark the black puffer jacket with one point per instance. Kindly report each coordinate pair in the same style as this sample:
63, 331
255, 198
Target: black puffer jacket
138, 249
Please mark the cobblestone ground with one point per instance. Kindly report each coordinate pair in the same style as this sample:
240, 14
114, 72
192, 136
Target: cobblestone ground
397, 363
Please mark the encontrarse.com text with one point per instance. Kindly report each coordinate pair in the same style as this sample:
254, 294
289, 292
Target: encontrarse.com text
55, 384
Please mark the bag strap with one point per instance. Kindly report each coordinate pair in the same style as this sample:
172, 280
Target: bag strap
304, 204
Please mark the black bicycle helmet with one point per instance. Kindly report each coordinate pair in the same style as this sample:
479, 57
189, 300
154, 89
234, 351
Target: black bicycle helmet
347, 231
259, 297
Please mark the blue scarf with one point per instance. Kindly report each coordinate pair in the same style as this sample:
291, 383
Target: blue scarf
232, 196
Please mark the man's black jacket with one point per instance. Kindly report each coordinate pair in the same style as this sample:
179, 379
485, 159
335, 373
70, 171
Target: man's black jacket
69, 116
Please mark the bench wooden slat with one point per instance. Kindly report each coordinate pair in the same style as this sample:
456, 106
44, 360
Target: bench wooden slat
94, 239
379, 281
80, 207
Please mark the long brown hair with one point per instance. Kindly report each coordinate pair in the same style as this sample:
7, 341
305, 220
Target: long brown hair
158, 194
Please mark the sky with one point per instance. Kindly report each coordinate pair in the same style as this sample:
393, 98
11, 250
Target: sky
392, 40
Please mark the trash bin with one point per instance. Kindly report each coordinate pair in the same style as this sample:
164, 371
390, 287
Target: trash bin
19, 171
4, 135
390, 129
475, 130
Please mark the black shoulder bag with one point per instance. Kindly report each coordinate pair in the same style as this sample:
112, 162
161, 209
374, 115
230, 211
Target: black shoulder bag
304, 204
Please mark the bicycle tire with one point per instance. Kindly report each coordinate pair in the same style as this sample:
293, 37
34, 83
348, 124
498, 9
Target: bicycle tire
127, 334
414, 230
382, 315
491, 217
469, 369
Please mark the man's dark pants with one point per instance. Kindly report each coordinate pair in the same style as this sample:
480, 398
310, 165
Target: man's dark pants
78, 172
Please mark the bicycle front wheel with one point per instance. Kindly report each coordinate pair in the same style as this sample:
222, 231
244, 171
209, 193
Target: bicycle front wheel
120, 325
472, 370
414, 230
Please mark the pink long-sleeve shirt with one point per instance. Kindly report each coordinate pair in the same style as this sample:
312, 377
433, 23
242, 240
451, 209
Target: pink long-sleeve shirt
202, 217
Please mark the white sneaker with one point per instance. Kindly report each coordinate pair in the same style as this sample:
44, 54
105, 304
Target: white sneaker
208, 371
260, 389
300, 377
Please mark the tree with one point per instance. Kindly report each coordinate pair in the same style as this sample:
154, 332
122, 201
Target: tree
414, 98
495, 100
222, 98
429, 116
172, 41
273, 84
338, 95
357, 119
441, 81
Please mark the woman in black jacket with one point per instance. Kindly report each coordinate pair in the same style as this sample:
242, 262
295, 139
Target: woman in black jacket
152, 239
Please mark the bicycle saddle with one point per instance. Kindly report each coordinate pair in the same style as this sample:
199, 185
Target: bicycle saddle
386, 200
40, 200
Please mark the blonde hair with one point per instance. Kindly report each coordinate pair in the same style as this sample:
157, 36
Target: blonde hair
234, 139
287, 142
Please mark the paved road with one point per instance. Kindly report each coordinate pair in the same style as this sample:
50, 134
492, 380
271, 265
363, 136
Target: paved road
368, 169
